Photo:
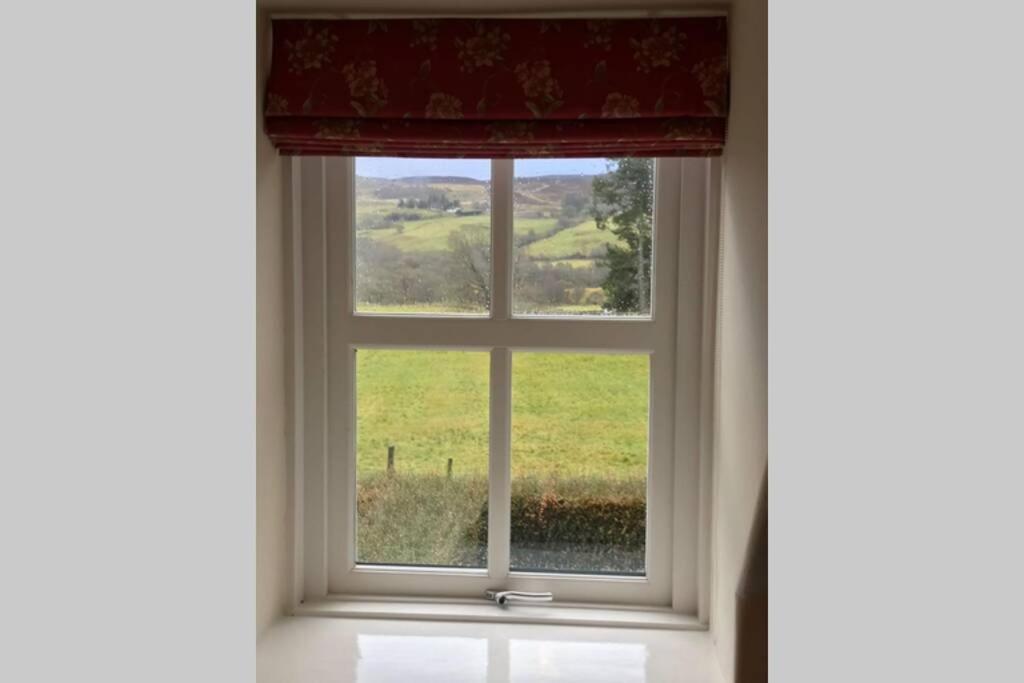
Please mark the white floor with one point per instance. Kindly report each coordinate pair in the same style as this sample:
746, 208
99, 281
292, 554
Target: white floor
315, 649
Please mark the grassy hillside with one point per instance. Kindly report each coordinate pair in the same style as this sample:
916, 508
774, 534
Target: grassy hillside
538, 203
581, 243
429, 234
404, 226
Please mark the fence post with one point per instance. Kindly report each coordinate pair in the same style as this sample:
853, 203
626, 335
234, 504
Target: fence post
449, 468
391, 460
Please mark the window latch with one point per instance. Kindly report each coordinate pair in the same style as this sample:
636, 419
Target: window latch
504, 597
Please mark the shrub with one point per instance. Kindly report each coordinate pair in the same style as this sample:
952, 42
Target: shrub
587, 520
582, 524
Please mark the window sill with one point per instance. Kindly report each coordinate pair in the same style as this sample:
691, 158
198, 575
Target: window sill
364, 607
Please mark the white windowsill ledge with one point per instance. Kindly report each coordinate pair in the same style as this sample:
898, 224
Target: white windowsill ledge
486, 611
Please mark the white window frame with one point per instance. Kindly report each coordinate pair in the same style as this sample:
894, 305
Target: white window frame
679, 336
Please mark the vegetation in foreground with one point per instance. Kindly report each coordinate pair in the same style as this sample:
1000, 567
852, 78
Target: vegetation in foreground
591, 525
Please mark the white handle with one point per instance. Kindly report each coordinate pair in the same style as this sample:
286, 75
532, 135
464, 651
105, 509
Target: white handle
503, 597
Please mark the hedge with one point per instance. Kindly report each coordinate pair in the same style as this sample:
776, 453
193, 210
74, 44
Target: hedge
587, 525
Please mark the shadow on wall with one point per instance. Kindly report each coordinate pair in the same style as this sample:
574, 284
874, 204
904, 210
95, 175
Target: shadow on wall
752, 599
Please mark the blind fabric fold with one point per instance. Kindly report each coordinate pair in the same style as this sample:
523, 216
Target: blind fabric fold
498, 88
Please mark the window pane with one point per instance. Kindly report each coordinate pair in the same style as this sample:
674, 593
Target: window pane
579, 462
425, 412
583, 235
423, 236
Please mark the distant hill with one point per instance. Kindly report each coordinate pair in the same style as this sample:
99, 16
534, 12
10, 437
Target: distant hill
549, 191
426, 180
534, 196
417, 187
567, 178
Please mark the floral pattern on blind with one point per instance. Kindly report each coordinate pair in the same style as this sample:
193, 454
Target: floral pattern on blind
629, 86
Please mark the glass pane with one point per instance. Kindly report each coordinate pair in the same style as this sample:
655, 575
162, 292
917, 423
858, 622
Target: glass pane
579, 462
583, 235
423, 236
422, 445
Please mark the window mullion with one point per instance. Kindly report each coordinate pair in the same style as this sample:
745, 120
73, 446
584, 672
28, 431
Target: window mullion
501, 238
499, 473
338, 264
499, 470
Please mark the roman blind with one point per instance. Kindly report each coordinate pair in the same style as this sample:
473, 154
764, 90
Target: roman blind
498, 88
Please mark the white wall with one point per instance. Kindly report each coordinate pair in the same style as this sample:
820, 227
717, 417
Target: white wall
273, 470
742, 419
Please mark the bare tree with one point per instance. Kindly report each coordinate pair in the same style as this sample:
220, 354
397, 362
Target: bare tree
470, 253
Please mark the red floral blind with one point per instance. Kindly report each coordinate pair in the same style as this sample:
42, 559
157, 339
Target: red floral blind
499, 87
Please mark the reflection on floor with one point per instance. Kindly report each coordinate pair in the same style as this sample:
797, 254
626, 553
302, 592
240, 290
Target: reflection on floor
315, 649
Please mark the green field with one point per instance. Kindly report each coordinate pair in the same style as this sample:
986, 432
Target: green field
575, 263
582, 240
573, 415
581, 243
429, 234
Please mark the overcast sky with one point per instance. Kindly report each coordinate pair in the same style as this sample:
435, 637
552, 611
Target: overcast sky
388, 167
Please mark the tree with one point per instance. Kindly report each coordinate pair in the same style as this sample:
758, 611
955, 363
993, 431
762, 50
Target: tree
469, 251
574, 203
623, 203
574, 206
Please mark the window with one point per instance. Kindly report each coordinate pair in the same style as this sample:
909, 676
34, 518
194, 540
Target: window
492, 392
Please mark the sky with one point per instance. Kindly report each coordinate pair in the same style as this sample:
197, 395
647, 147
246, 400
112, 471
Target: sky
390, 167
